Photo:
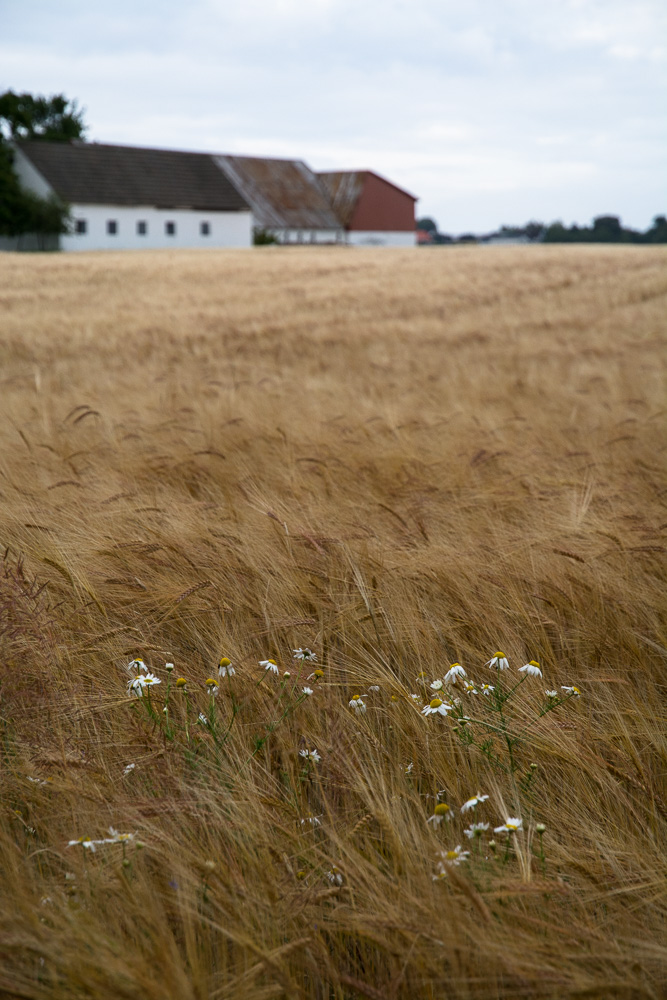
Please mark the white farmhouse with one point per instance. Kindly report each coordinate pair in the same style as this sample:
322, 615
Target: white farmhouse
125, 197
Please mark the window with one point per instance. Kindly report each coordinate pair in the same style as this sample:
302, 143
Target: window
142, 227
81, 226
170, 228
112, 227
205, 228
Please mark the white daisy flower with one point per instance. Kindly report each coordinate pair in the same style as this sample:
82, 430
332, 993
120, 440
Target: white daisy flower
269, 665
310, 755
409, 768
415, 697
487, 689
421, 678
474, 801
169, 667
212, 686
455, 670
84, 842
225, 668
304, 654
440, 813
499, 661
119, 838
531, 669
138, 665
571, 690
469, 688
310, 821
150, 679
449, 858
436, 707
511, 825
374, 688
335, 876
356, 702
136, 685
551, 694
307, 691
475, 830
202, 720
436, 685
128, 769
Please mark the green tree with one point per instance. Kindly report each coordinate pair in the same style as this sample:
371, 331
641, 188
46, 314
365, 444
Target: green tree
658, 231
54, 119
427, 225
50, 119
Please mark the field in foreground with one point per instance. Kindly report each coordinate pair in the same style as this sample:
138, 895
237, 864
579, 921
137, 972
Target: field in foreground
400, 461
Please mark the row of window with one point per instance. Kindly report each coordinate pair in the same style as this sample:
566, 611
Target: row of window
81, 227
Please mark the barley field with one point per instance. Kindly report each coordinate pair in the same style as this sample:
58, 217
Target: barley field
396, 461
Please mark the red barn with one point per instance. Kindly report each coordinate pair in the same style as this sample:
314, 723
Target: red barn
373, 211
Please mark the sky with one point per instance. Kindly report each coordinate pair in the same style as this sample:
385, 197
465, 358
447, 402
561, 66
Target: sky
492, 112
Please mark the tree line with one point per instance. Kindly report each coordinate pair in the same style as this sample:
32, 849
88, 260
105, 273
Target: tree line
605, 229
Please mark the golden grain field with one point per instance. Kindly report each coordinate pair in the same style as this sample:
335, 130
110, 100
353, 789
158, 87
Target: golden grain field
399, 460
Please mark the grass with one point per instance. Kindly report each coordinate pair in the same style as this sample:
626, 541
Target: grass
399, 460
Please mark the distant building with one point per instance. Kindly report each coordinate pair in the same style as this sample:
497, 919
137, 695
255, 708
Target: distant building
502, 240
128, 197
125, 197
287, 199
373, 211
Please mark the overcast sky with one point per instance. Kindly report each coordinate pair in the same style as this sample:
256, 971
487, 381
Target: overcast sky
490, 111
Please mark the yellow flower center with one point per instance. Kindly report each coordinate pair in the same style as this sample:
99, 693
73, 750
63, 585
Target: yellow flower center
452, 665
211, 682
318, 673
181, 682
452, 855
225, 662
500, 655
534, 663
436, 703
512, 826
356, 697
441, 809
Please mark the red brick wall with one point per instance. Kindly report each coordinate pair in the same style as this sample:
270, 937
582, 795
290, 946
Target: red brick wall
383, 207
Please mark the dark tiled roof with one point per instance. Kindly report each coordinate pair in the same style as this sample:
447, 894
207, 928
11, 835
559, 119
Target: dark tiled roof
283, 194
99, 174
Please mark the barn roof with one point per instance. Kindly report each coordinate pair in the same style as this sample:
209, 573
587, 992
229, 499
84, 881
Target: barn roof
97, 173
344, 188
283, 194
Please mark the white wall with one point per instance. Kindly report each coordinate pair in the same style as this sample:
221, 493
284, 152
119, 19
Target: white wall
227, 229
381, 239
